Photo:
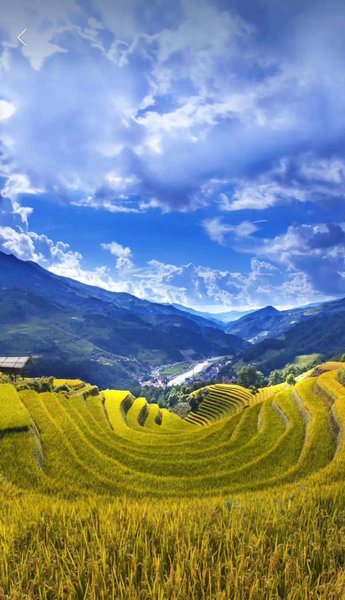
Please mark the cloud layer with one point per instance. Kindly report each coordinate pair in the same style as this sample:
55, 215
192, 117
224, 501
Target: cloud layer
233, 111
126, 107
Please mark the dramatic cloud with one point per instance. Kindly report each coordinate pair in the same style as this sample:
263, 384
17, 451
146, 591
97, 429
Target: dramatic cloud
316, 251
129, 106
230, 109
17, 238
301, 179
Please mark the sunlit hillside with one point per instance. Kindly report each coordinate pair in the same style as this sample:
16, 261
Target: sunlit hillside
113, 493
112, 443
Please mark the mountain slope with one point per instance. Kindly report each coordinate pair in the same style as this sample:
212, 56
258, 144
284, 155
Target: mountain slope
15, 273
324, 335
257, 324
220, 319
269, 322
87, 332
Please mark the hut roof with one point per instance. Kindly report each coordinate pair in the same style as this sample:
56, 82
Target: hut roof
14, 362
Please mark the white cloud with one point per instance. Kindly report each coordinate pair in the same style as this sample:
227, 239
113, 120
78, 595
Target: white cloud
43, 21
316, 252
13, 214
218, 231
112, 205
189, 284
7, 109
18, 243
261, 195
304, 178
180, 95
18, 183
39, 47
123, 255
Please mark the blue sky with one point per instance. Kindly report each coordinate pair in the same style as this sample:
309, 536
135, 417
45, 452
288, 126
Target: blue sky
187, 152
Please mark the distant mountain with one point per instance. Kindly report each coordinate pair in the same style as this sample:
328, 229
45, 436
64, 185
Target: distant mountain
323, 335
269, 322
257, 324
232, 315
29, 275
221, 319
105, 337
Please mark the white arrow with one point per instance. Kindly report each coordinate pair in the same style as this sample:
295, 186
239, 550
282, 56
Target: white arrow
20, 36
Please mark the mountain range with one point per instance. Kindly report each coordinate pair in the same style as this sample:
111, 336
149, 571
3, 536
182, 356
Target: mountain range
109, 338
279, 337
269, 322
115, 339
220, 319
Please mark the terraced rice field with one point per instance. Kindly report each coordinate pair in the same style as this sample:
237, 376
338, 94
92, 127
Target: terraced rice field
225, 400
116, 444
109, 497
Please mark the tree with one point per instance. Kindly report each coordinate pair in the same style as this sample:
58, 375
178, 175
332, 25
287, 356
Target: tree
275, 377
173, 398
194, 402
292, 369
248, 376
290, 379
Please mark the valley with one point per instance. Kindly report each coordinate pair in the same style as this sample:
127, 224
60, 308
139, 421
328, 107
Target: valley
234, 427
172, 300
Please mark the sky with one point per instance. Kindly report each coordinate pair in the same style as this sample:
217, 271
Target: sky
189, 151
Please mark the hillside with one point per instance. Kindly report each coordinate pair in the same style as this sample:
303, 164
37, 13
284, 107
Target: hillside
257, 324
269, 322
81, 331
112, 443
322, 334
221, 319
104, 496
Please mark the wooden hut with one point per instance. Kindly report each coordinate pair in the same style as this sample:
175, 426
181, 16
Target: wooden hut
15, 365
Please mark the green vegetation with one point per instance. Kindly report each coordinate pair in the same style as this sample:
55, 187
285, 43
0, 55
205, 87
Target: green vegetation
295, 369
105, 495
250, 377
290, 380
316, 337
107, 338
174, 370
168, 396
307, 360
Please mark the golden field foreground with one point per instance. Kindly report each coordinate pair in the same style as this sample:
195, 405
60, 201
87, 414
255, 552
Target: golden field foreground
105, 496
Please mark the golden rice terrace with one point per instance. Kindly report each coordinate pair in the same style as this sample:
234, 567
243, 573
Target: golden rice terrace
115, 444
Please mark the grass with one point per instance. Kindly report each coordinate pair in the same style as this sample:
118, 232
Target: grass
13, 414
73, 383
305, 360
110, 497
269, 392
250, 547
174, 370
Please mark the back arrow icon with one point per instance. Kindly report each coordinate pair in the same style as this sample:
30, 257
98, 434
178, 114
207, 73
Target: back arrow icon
20, 37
